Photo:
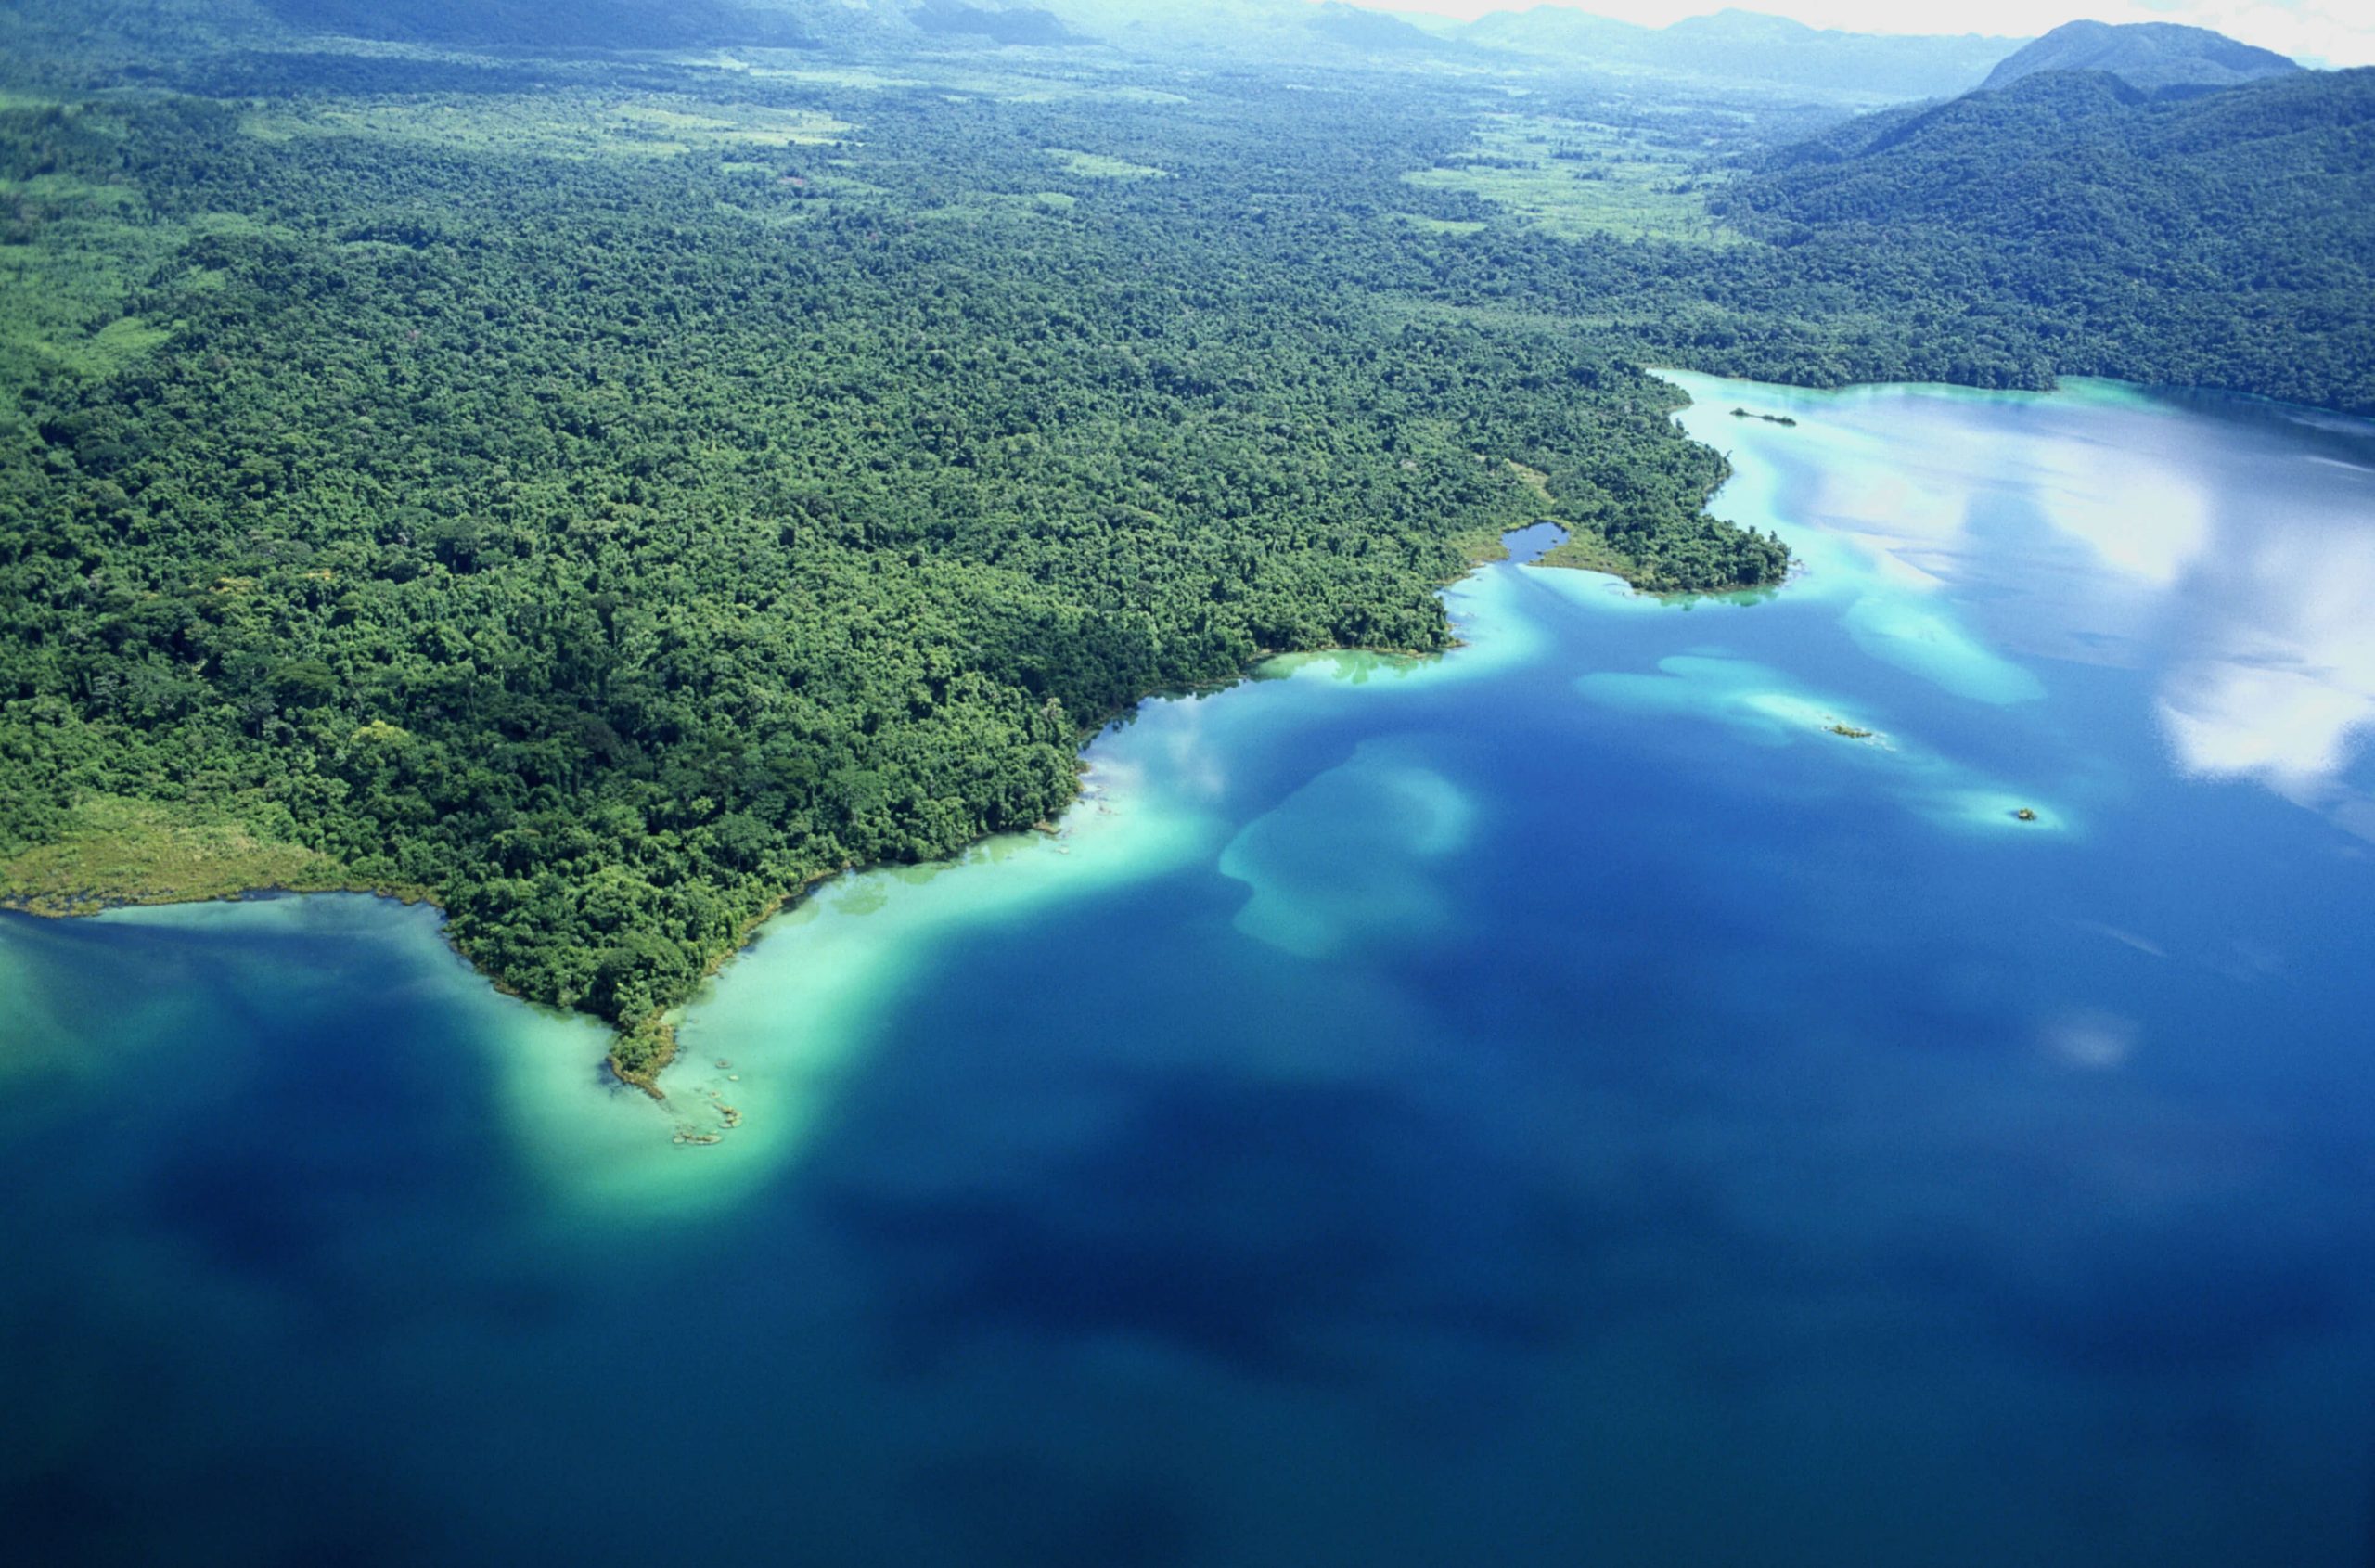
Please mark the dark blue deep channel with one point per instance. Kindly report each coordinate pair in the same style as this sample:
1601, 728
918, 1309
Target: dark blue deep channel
1638, 1090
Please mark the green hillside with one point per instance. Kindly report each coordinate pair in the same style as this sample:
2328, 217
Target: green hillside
2223, 241
2153, 56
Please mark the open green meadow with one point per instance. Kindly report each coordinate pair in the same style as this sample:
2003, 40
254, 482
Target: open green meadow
1574, 178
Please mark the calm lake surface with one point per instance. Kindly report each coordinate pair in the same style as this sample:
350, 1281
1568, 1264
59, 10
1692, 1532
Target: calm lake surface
1560, 1103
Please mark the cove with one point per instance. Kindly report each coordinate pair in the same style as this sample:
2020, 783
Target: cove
1562, 1102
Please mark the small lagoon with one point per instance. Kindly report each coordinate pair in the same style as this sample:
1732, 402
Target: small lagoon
1876, 1073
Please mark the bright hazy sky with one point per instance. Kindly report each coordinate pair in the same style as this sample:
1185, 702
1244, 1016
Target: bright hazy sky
2315, 32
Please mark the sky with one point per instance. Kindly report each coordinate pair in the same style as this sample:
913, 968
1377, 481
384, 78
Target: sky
2314, 32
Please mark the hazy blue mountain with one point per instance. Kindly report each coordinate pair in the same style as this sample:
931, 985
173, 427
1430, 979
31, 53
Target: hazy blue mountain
1273, 31
1747, 46
1731, 47
1372, 31
2153, 56
999, 24
1230, 27
1561, 30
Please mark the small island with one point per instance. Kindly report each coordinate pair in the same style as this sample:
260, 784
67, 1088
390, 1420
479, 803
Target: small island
1769, 418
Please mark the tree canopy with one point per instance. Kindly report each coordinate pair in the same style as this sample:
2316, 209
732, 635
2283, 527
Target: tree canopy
605, 495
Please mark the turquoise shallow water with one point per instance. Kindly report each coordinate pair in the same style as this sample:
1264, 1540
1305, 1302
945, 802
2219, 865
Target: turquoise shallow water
1559, 1102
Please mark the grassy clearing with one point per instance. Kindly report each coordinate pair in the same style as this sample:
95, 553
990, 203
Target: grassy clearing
1096, 166
118, 344
118, 850
1537, 484
738, 126
1576, 178
63, 284
65, 190
1023, 80
1583, 549
558, 125
787, 65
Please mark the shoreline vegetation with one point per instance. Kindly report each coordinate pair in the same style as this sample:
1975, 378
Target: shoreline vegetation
125, 853
118, 852
417, 554
605, 501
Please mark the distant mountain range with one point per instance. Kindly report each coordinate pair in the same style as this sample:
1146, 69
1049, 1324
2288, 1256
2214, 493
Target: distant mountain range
1372, 31
999, 24
1732, 46
1736, 45
2153, 56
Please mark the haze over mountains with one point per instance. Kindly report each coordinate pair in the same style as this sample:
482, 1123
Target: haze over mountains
1734, 46
2148, 55
1747, 46
1734, 51
2109, 223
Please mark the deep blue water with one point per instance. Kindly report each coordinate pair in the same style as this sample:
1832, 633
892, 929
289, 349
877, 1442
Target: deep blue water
1560, 1103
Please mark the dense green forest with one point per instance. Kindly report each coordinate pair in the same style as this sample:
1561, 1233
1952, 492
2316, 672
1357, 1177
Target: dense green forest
605, 536
605, 494
2226, 240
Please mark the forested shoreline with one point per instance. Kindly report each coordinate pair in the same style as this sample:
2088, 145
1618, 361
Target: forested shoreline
606, 498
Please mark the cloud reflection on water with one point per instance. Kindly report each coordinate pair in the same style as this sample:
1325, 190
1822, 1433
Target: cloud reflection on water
2281, 683
2256, 552
2230, 544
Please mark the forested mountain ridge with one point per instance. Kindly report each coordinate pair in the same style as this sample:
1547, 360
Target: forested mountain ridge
2152, 56
2224, 240
993, 23
1371, 30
